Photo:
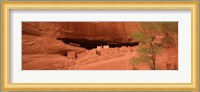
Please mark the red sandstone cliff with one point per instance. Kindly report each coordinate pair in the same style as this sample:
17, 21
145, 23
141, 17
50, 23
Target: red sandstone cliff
105, 31
42, 51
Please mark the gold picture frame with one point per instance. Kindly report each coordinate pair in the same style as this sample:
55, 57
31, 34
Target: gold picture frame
7, 6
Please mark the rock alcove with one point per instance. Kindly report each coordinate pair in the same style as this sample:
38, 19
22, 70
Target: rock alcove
90, 44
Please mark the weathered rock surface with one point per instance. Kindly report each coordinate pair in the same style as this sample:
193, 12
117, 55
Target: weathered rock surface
44, 45
110, 61
118, 32
41, 49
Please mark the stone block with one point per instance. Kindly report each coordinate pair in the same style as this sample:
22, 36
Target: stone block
71, 54
106, 46
81, 55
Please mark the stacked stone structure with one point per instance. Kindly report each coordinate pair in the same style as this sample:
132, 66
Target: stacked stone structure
100, 51
71, 54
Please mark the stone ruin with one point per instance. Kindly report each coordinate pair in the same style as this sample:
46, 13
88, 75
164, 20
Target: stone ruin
71, 54
102, 47
89, 53
124, 49
106, 46
99, 51
99, 48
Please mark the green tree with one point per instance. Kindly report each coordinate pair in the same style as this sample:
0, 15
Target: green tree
153, 37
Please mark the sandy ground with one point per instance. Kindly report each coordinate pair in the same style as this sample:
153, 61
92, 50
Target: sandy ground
120, 61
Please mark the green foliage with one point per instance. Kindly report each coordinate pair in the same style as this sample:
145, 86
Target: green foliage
172, 27
151, 45
159, 27
169, 40
142, 58
144, 51
139, 36
153, 26
156, 48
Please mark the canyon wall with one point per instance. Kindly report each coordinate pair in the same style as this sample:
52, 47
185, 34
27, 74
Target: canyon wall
41, 49
105, 31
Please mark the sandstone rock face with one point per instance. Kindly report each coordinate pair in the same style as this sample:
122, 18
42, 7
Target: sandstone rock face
41, 49
106, 31
43, 45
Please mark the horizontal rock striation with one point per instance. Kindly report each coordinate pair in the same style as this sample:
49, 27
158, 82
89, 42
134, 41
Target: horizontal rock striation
86, 46
116, 32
